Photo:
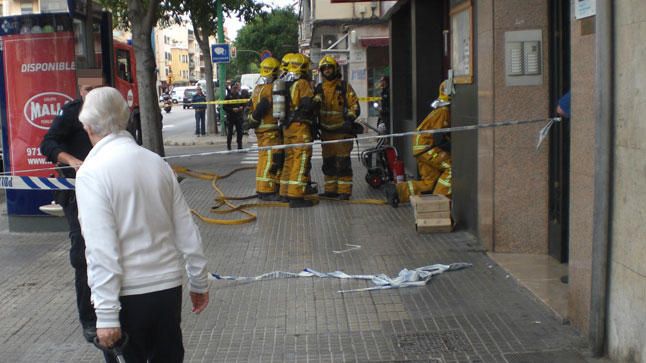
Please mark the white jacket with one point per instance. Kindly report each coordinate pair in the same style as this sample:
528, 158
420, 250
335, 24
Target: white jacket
137, 226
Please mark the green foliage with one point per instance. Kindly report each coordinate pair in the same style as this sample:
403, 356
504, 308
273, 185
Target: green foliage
276, 32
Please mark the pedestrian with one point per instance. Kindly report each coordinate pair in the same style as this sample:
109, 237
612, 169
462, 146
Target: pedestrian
297, 129
339, 108
137, 228
432, 152
66, 144
383, 125
235, 114
563, 108
199, 105
270, 162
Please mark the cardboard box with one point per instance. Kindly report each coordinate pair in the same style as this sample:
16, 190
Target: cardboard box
438, 225
433, 215
430, 203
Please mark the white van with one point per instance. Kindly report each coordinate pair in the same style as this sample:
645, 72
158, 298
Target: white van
177, 94
248, 81
202, 84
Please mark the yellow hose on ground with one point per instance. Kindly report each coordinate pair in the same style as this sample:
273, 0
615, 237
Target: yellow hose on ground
223, 200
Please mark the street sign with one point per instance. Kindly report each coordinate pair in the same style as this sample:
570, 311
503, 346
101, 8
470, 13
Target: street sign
220, 53
265, 54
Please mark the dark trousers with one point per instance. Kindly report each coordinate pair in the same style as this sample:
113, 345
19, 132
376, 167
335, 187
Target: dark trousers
231, 122
152, 322
200, 123
67, 200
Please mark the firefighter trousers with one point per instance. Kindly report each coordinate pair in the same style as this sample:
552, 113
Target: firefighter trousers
295, 175
337, 166
270, 162
435, 176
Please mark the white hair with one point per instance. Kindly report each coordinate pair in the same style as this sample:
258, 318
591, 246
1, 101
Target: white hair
104, 111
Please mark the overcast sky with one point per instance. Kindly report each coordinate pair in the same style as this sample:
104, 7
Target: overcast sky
233, 24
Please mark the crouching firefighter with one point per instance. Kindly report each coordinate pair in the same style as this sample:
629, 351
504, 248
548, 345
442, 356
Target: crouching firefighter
338, 111
432, 152
261, 118
297, 122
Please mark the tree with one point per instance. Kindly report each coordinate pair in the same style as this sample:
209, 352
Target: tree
141, 16
203, 17
276, 32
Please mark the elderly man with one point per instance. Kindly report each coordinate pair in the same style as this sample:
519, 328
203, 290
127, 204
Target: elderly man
137, 229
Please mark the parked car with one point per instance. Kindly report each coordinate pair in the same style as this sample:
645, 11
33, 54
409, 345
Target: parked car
177, 94
187, 100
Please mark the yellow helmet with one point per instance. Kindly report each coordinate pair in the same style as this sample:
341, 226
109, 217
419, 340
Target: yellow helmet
269, 67
329, 61
298, 64
442, 95
284, 62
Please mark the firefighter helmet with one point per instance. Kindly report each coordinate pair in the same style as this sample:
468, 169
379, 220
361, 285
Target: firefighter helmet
284, 62
329, 61
269, 67
298, 65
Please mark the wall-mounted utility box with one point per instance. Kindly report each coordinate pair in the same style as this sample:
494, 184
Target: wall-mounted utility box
524, 58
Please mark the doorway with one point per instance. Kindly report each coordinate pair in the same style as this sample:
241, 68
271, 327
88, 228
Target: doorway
559, 153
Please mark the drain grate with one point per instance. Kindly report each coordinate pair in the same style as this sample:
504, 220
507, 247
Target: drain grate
433, 342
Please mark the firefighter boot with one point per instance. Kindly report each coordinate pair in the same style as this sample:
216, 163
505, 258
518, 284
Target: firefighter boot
391, 195
300, 203
329, 195
269, 197
344, 196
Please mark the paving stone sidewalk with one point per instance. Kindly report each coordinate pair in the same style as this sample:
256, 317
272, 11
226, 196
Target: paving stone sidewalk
474, 315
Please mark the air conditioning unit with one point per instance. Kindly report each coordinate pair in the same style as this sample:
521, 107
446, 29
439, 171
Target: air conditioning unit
329, 41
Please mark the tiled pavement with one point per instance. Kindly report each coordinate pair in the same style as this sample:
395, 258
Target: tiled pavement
473, 315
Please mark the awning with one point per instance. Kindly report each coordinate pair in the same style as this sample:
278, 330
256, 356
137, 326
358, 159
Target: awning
375, 42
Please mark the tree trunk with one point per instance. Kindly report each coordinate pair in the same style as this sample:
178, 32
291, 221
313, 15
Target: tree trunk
203, 41
142, 20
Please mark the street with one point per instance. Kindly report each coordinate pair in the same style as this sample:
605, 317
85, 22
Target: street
179, 122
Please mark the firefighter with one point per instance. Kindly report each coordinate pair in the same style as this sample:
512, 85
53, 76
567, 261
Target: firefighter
432, 152
260, 118
297, 128
339, 108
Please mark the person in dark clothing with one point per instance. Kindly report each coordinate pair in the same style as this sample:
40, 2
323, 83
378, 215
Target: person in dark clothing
384, 112
200, 111
67, 144
234, 116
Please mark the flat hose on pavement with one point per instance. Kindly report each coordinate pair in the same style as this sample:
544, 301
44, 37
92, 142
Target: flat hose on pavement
223, 200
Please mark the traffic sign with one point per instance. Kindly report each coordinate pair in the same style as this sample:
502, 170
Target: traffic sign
220, 53
265, 54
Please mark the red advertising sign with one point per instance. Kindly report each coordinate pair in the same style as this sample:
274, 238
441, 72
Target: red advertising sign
40, 76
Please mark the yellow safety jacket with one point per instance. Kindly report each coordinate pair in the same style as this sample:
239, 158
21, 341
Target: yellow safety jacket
268, 122
331, 94
301, 106
439, 118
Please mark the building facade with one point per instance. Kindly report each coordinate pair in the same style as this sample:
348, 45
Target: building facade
356, 35
576, 198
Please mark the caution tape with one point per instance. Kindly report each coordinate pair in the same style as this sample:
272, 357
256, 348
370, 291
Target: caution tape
544, 131
406, 278
246, 100
369, 99
35, 183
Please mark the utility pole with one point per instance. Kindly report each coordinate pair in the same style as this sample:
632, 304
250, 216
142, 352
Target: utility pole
222, 67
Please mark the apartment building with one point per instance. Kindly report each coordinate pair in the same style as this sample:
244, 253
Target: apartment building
574, 205
356, 34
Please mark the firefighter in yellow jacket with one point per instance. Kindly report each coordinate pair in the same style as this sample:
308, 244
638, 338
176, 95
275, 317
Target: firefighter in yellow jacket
339, 107
260, 118
432, 152
297, 128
